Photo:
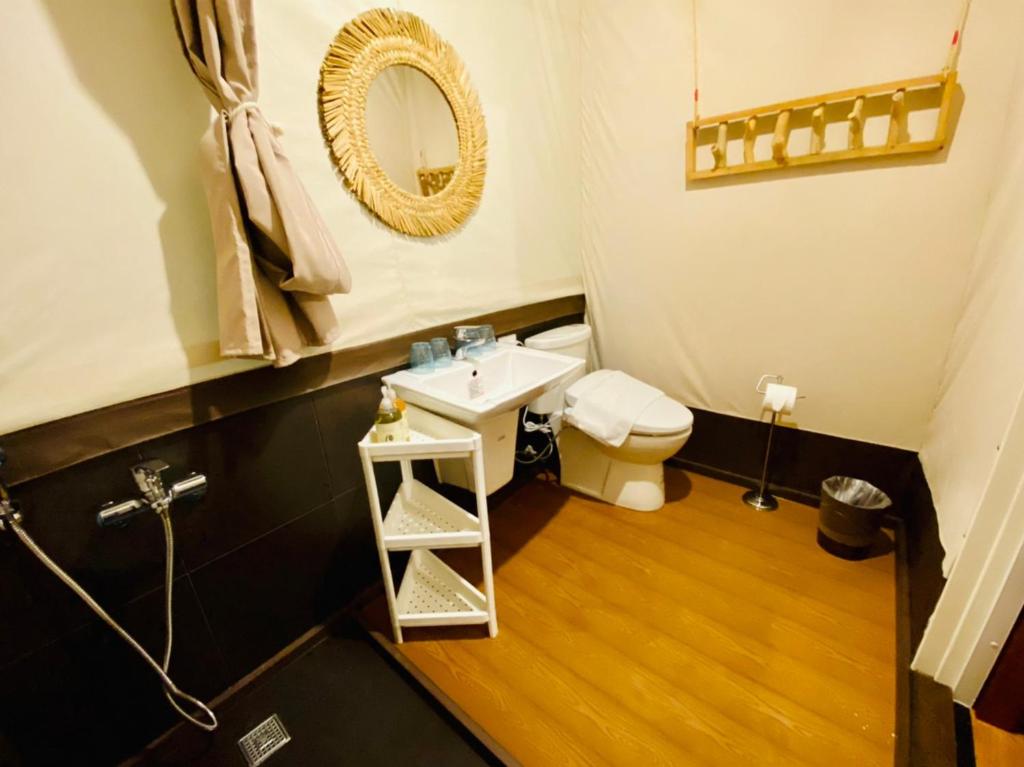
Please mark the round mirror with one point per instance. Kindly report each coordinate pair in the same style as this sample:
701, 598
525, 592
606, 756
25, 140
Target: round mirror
402, 122
412, 130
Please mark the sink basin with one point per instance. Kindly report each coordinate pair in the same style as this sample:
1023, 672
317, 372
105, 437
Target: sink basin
512, 376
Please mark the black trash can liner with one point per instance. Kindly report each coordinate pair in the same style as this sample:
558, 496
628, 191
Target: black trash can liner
850, 516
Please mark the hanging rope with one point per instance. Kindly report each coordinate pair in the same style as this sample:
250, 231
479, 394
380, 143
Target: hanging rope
696, 70
957, 42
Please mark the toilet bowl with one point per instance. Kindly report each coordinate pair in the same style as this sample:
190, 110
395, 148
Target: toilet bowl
631, 475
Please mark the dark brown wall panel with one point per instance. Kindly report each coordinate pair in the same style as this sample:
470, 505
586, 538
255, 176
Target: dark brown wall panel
281, 541
45, 448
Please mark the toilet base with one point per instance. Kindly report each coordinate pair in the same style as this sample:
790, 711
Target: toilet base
597, 470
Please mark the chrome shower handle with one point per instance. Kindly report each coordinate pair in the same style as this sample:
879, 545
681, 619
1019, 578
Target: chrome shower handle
191, 487
117, 514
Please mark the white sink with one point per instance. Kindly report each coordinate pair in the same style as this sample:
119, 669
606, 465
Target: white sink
512, 376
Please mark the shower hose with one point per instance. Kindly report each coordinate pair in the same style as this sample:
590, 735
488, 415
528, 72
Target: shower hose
204, 718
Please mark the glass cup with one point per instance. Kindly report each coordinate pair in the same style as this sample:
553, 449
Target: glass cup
442, 352
421, 358
481, 340
474, 346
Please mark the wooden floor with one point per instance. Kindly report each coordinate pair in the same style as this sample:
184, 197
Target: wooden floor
997, 748
704, 634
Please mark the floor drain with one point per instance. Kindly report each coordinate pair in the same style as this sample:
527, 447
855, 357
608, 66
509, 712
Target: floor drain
265, 739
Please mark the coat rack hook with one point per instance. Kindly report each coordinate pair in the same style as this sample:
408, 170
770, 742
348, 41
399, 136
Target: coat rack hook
749, 137
856, 118
818, 130
719, 148
897, 119
780, 141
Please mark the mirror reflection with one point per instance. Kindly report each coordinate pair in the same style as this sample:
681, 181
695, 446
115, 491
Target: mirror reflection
412, 130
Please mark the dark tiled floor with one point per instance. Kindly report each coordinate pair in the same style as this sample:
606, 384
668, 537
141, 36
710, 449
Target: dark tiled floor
342, 703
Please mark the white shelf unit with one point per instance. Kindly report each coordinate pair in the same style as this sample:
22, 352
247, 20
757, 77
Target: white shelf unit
420, 519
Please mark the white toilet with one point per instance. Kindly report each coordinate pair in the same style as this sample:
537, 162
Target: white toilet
631, 475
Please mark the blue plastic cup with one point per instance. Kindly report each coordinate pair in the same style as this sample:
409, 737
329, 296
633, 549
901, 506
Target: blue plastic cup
442, 352
421, 358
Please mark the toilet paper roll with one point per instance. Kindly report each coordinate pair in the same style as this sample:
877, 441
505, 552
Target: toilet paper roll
779, 398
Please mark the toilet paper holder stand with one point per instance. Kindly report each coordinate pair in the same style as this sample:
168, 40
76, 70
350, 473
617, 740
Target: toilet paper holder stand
760, 498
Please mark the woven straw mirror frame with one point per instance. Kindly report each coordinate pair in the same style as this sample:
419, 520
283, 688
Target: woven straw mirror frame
365, 46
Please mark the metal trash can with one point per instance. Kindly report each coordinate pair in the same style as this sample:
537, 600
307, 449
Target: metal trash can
850, 516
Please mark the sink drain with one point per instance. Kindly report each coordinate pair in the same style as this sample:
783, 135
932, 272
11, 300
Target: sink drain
264, 740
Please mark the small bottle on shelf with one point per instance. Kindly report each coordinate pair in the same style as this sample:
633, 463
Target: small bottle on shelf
400, 404
389, 425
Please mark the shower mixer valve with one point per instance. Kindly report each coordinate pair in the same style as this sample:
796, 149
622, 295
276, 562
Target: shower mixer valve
155, 495
158, 498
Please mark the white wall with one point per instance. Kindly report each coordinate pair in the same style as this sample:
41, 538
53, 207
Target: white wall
107, 261
848, 281
985, 591
984, 374
974, 452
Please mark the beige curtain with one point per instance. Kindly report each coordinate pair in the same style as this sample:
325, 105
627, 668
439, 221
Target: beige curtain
276, 261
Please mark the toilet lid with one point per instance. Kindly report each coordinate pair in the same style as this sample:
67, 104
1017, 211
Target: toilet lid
663, 416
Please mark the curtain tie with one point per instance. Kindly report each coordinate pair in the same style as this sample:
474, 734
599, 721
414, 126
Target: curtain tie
247, 106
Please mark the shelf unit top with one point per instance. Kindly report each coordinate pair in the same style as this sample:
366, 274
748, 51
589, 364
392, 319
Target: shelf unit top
430, 436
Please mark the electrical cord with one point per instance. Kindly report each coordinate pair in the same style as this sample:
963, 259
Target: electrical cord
529, 456
173, 693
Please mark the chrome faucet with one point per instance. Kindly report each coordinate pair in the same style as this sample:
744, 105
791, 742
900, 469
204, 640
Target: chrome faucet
155, 496
467, 337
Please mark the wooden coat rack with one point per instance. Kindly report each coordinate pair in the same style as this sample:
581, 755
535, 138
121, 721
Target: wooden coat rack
854, 106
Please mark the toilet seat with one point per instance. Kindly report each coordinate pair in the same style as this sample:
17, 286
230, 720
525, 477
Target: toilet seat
663, 416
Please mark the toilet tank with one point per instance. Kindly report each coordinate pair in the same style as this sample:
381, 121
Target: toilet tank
570, 340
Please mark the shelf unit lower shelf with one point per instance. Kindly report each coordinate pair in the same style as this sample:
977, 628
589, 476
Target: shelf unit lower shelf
419, 516
433, 594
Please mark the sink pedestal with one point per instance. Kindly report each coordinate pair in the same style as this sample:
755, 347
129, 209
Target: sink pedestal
499, 449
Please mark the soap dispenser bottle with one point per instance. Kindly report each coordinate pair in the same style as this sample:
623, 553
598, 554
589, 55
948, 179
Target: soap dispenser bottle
400, 405
388, 425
